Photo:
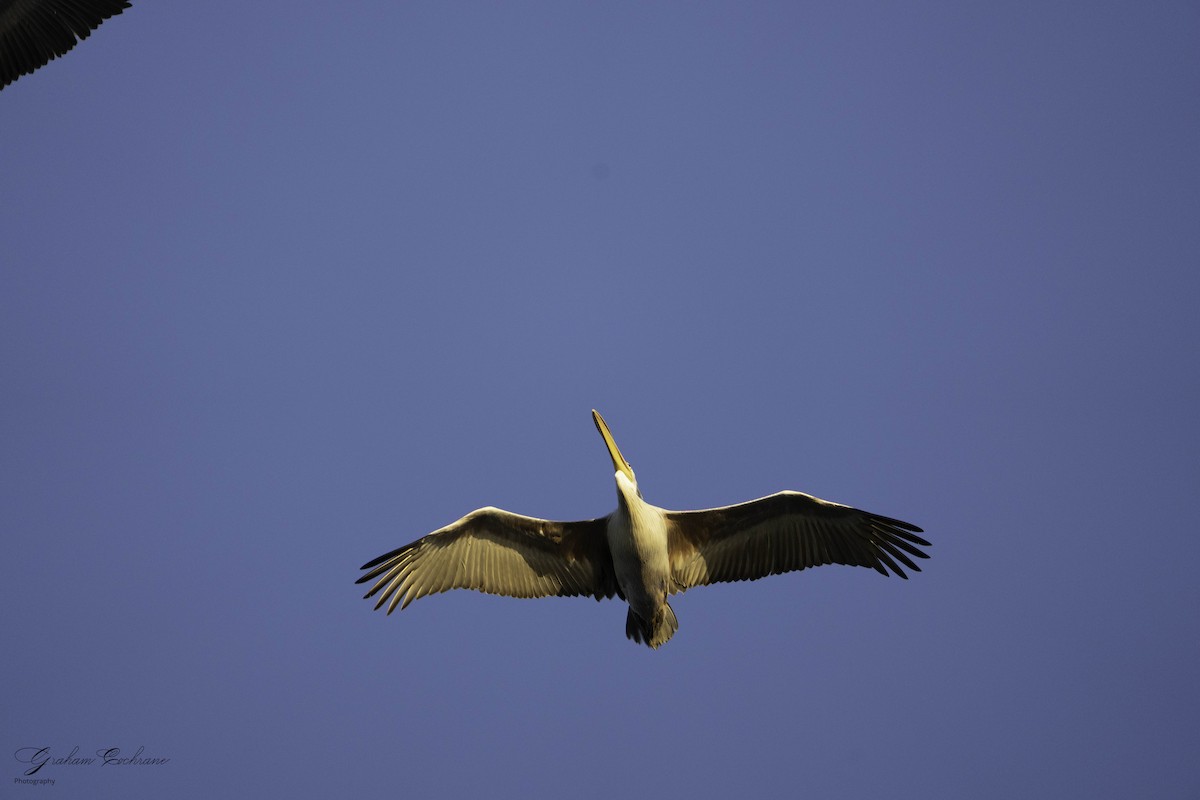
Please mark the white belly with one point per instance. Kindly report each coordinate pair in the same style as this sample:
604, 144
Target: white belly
638, 542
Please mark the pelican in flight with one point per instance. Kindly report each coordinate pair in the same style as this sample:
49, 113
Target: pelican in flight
34, 31
640, 552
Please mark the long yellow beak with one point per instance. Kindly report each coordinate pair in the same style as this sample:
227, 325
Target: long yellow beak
619, 462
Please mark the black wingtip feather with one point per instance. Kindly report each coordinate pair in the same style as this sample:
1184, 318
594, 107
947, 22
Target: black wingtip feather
375, 562
899, 523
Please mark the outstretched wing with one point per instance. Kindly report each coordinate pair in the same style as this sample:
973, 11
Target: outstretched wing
34, 31
498, 552
781, 533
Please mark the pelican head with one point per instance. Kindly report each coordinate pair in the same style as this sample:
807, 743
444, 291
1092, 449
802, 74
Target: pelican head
620, 465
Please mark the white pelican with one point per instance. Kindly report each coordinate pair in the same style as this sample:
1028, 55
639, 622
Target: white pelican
34, 31
641, 553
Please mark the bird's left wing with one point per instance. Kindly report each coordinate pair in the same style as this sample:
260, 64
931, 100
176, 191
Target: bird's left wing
498, 552
784, 532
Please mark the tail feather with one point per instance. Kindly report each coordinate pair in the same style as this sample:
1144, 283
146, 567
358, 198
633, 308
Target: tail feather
652, 634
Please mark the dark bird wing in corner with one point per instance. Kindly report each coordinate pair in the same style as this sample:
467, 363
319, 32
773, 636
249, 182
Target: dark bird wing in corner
781, 533
498, 552
34, 31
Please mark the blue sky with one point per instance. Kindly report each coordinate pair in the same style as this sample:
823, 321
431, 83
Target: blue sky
284, 286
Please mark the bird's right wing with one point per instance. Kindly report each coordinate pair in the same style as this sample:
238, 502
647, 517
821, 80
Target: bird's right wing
784, 532
498, 552
34, 31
